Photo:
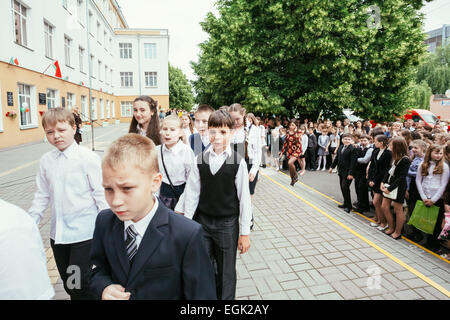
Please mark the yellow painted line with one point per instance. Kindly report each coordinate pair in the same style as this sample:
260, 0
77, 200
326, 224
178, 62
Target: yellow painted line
371, 220
387, 254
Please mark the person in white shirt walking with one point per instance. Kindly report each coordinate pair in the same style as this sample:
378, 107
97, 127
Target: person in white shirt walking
23, 272
69, 179
223, 207
175, 159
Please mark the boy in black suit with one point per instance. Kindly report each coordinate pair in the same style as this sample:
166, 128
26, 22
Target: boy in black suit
199, 141
345, 160
141, 249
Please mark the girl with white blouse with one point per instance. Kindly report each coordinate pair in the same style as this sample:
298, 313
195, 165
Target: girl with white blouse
431, 181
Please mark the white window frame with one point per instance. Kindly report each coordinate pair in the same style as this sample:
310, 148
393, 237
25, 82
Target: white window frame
91, 61
106, 74
113, 109
80, 12
102, 109
52, 101
67, 50
126, 79
98, 31
84, 109
48, 35
99, 70
150, 50
70, 100
108, 109
126, 50
31, 121
1, 111
126, 109
22, 15
151, 79
94, 109
81, 51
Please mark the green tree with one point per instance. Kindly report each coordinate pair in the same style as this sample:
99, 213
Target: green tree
180, 90
435, 70
305, 56
419, 96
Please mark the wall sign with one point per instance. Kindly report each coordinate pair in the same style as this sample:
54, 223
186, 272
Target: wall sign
42, 98
10, 98
63, 102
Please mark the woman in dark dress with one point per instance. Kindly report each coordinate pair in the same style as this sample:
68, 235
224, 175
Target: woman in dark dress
78, 123
396, 178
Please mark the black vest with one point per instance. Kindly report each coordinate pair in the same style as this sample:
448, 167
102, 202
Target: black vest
218, 193
361, 167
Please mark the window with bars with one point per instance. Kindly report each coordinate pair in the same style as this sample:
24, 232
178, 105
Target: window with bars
20, 22
151, 79
126, 50
126, 79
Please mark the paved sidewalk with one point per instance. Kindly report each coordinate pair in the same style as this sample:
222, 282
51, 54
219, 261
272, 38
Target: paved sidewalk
302, 245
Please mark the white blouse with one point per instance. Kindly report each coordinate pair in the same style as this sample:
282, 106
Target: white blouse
432, 186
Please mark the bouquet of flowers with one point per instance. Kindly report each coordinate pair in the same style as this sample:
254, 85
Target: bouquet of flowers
11, 114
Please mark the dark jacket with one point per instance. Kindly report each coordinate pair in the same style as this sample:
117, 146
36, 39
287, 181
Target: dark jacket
196, 143
399, 177
171, 263
379, 168
346, 162
312, 141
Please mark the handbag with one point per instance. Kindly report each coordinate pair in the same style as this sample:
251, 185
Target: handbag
391, 195
169, 201
424, 218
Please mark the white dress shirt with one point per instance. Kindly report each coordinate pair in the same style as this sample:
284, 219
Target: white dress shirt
191, 195
23, 263
71, 182
141, 226
304, 143
178, 161
254, 147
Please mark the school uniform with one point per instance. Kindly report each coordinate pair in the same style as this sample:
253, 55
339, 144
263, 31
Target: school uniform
198, 143
166, 259
345, 161
247, 143
363, 157
310, 151
380, 163
223, 208
174, 164
71, 182
396, 178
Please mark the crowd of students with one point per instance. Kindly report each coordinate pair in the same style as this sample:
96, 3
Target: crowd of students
164, 213
397, 164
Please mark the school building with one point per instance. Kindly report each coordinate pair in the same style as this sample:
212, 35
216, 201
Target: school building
66, 53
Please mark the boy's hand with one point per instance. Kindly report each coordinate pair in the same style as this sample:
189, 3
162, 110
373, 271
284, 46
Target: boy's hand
243, 244
251, 177
115, 292
349, 177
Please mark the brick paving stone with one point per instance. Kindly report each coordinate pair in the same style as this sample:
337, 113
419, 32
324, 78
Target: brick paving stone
316, 276
306, 294
407, 295
280, 295
330, 296
306, 278
321, 289
293, 295
301, 267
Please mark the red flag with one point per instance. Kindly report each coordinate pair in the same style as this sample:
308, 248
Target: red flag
57, 69
16, 61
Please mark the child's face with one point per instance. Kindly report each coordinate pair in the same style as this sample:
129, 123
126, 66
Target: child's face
237, 118
201, 122
185, 120
170, 132
437, 155
141, 112
417, 151
61, 135
219, 137
128, 191
364, 142
346, 141
292, 127
378, 144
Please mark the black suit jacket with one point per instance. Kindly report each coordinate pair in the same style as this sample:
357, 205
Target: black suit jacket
196, 143
171, 263
379, 167
346, 162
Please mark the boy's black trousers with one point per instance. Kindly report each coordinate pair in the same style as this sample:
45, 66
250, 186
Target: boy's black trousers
76, 278
345, 189
221, 239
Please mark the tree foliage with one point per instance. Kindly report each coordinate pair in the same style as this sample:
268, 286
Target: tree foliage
435, 70
310, 55
180, 90
419, 96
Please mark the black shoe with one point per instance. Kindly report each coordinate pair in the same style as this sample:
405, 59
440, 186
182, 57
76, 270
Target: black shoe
355, 203
360, 210
341, 206
347, 210
293, 181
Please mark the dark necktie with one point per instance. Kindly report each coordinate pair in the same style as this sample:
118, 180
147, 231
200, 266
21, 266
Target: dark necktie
130, 242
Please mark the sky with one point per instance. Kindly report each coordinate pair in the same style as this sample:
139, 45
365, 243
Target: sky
182, 18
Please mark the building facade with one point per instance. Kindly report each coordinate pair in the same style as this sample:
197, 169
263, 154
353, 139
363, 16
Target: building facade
66, 53
438, 37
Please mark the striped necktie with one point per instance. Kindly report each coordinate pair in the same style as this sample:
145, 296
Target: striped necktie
131, 243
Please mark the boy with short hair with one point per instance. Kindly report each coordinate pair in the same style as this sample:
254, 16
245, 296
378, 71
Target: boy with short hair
364, 153
200, 141
141, 249
223, 207
345, 161
69, 179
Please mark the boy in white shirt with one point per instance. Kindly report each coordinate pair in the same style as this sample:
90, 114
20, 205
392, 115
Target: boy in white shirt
218, 193
69, 179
